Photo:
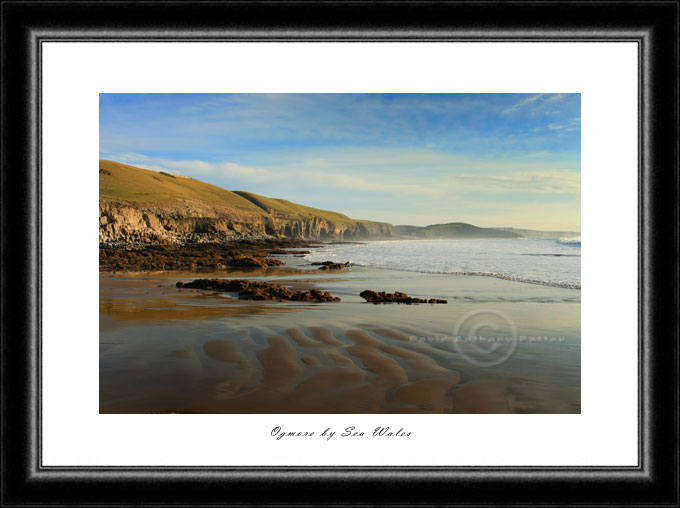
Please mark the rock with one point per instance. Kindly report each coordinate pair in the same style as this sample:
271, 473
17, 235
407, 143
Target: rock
396, 297
330, 265
282, 252
250, 261
243, 253
259, 290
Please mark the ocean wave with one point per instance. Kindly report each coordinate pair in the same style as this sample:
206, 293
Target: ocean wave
574, 241
504, 276
535, 261
555, 255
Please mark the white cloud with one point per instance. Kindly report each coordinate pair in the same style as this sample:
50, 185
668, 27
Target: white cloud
537, 182
198, 167
535, 100
554, 97
524, 102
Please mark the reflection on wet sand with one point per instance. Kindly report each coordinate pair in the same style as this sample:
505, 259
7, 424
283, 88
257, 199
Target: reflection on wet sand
164, 350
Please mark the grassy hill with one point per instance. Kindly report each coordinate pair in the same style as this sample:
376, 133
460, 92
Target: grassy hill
122, 182
452, 230
283, 206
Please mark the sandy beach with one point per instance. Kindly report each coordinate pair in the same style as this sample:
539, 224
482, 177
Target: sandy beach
498, 346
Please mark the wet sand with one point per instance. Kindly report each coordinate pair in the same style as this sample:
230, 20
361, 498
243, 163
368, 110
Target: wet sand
164, 349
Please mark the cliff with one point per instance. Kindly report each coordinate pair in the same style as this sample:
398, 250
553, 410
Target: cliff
142, 207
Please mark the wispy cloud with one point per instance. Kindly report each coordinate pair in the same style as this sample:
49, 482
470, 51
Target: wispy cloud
572, 125
524, 102
540, 100
198, 168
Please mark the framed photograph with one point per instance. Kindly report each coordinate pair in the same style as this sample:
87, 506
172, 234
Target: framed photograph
378, 253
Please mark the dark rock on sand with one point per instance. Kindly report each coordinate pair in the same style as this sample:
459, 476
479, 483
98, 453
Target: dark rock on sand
330, 265
259, 290
396, 297
283, 252
246, 253
251, 261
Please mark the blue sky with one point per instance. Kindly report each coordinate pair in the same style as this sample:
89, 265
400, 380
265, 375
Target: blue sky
486, 159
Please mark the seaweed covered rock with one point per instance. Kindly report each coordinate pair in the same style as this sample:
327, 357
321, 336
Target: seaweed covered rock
254, 262
396, 297
330, 265
195, 256
259, 290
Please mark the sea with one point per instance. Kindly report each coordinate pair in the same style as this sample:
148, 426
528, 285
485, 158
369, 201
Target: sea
547, 261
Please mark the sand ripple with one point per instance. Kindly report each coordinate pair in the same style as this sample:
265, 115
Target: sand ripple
234, 379
429, 395
324, 335
417, 360
382, 365
301, 338
482, 397
377, 370
280, 362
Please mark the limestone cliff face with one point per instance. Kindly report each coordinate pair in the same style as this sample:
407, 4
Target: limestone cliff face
124, 223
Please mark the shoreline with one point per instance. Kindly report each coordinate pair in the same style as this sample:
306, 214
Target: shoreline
551, 265
270, 253
281, 274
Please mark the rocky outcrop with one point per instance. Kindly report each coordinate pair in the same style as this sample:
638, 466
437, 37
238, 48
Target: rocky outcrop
244, 253
396, 297
330, 265
124, 224
258, 290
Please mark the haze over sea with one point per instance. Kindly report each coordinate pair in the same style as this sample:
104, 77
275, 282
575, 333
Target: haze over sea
551, 262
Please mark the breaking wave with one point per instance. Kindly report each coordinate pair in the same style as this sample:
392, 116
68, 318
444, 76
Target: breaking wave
574, 241
534, 261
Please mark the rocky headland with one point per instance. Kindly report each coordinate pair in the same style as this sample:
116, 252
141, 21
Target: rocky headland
259, 290
139, 208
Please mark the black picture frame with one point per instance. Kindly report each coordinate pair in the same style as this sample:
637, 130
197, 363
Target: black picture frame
653, 25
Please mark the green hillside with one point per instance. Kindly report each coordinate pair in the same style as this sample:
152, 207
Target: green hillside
122, 182
286, 207
127, 183
452, 230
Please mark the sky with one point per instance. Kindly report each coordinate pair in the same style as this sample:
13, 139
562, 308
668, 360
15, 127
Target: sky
509, 160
